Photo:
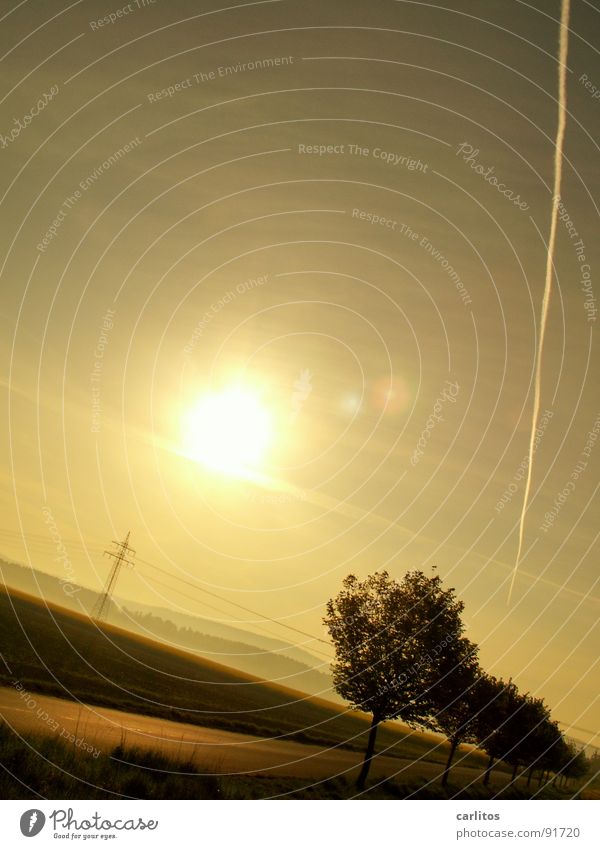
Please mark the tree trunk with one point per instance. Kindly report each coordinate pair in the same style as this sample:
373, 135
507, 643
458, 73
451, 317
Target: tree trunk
362, 778
529, 774
540, 776
488, 771
453, 746
514, 772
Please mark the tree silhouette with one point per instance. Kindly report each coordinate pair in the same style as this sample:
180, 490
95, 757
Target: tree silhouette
459, 696
526, 732
500, 704
538, 736
576, 765
389, 639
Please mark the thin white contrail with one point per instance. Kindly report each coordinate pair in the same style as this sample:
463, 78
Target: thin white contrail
558, 154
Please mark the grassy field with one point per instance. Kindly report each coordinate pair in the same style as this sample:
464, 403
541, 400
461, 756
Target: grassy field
55, 652
51, 768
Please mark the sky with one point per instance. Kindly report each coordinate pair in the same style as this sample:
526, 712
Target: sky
342, 208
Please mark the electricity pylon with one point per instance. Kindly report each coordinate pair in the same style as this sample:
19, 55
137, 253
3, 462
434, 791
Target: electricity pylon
121, 557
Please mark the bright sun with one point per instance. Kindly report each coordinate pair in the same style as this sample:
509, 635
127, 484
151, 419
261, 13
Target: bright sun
228, 431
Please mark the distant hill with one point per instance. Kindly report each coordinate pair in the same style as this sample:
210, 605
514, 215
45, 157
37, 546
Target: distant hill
264, 657
46, 648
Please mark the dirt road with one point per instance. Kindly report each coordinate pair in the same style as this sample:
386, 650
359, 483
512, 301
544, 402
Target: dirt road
212, 750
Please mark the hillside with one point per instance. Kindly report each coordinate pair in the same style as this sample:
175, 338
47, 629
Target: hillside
52, 650
264, 657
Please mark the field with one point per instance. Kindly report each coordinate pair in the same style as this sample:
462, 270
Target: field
184, 711
50, 768
53, 651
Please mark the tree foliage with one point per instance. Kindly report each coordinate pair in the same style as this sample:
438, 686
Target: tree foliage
401, 653
391, 639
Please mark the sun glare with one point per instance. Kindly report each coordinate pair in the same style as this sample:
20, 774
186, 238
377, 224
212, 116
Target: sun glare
228, 431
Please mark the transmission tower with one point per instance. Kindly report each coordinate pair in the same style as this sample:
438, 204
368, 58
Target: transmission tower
121, 555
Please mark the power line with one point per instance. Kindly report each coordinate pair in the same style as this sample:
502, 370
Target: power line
227, 621
578, 728
41, 538
103, 601
120, 556
235, 604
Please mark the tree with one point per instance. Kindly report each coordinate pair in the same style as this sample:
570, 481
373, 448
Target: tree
573, 763
389, 637
458, 697
500, 702
578, 766
528, 734
537, 749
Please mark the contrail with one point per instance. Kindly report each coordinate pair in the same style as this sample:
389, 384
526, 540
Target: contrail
558, 154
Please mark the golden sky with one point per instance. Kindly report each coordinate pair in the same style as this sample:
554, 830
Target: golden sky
343, 208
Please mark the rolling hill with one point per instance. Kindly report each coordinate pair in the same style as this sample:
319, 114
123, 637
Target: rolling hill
264, 657
51, 650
